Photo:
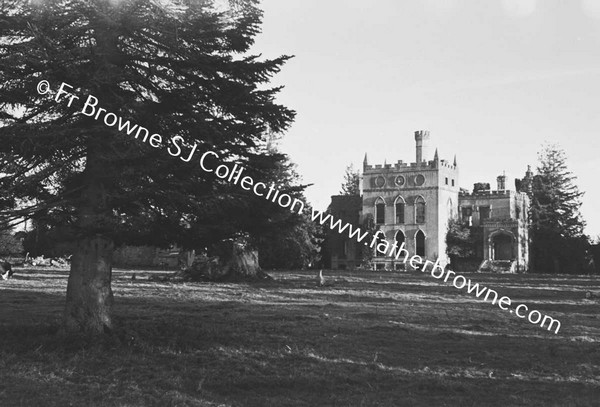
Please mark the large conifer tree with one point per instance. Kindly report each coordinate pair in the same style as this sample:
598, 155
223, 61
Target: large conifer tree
558, 240
289, 240
175, 67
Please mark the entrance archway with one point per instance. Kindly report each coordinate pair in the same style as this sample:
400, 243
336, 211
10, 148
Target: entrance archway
502, 247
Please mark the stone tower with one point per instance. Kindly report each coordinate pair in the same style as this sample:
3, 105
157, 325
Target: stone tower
501, 180
422, 141
411, 203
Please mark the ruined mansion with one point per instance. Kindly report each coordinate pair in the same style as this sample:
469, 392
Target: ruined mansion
412, 203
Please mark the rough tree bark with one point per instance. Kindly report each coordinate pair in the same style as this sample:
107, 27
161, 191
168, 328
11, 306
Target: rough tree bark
89, 293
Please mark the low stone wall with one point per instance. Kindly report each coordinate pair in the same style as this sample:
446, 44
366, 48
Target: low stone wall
134, 256
145, 256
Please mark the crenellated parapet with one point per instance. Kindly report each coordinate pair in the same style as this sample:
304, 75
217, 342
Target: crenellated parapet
446, 164
485, 193
401, 165
421, 162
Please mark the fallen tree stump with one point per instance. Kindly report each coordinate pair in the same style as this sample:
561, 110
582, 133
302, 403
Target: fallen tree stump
234, 261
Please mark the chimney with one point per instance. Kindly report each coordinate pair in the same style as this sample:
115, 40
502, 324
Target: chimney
529, 178
501, 182
422, 144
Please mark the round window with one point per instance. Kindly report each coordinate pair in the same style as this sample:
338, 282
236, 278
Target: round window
419, 180
379, 181
400, 180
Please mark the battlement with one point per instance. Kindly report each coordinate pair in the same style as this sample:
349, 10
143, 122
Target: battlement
486, 193
421, 155
398, 165
421, 134
446, 164
402, 165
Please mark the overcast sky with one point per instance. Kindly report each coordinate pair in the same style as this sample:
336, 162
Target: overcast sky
491, 80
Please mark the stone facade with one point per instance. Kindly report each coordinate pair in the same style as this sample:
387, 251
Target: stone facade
503, 216
412, 203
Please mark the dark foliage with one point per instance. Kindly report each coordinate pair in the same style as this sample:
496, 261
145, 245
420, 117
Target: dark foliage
481, 186
289, 240
367, 252
351, 185
174, 73
558, 244
9, 245
464, 244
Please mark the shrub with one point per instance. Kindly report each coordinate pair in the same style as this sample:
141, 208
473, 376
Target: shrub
9, 244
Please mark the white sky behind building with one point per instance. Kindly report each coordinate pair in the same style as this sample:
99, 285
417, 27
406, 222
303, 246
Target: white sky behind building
492, 81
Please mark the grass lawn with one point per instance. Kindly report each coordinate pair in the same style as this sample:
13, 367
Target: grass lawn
371, 339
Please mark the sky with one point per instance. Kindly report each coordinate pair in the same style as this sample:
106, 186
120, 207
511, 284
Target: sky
491, 80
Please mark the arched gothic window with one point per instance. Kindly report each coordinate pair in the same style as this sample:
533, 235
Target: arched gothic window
380, 211
400, 240
420, 243
420, 210
380, 239
399, 208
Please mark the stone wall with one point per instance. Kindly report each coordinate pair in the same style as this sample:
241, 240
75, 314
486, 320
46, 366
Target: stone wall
145, 256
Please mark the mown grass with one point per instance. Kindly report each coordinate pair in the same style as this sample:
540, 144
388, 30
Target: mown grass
370, 339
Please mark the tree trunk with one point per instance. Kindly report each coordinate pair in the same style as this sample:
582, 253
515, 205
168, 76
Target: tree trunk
89, 294
186, 259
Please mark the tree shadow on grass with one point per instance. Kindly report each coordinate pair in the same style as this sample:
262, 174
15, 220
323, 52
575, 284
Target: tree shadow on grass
256, 356
227, 344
